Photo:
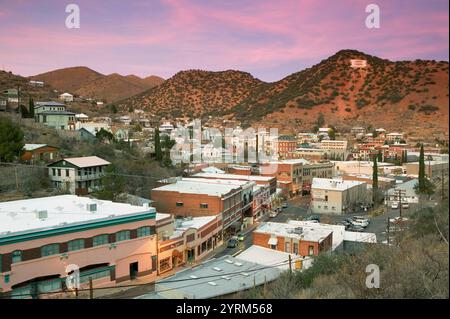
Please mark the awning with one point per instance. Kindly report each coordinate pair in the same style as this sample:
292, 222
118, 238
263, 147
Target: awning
273, 241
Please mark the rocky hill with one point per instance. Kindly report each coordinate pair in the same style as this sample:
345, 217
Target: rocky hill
394, 95
195, 93
89, 83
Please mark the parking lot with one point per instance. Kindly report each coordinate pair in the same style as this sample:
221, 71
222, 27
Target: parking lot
298, 209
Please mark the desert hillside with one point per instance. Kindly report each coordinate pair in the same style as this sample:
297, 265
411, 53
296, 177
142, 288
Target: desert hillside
86, 82
395, 95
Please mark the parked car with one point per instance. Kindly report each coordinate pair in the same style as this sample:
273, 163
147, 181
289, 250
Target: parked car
285, 205
278, 209
240, 237
358, 222
394, 205
356, 228
232, 243
405, 205
346, 224
313, 217
273, 214
362, 219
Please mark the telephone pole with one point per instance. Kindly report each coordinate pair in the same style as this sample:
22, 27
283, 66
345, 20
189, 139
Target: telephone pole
399, 193
290, 264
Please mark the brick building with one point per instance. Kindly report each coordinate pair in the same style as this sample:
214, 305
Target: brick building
303, 241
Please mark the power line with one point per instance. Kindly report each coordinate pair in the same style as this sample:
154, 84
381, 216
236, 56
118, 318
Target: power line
106, 174
276, 265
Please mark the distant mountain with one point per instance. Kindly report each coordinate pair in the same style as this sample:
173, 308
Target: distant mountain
195, 93
89, 83
402, 95
68, 79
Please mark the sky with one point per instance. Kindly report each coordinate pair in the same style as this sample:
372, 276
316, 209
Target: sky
269, 39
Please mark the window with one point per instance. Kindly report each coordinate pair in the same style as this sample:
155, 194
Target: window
164, 264
67, 173
6, 279
54, 171
287, 247
203, 205
144, 231
295, 248
79, 172
274, 247
179, 204
76, 244
326, 198
49, 250
123, 235
310, 250
16, 256
59, 172
100, 240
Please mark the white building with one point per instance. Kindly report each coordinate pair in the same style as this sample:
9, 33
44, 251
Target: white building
78, 175
335, 196
66, 97
408, 193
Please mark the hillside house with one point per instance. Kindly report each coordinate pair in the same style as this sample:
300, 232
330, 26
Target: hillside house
78, 175
66, 97
35, 153
54, 114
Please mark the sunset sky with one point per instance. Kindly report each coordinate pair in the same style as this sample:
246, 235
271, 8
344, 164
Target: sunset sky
269, 39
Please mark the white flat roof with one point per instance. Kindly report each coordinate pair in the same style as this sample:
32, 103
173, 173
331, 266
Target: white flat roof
268, 257
160, 216
309, 232
195, 222
290, 161
86, 161
20, 215
235, 176
197, 187
219, 181
333, 184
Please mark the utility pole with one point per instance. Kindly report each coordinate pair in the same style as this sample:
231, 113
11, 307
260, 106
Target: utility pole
399, 193
290, 264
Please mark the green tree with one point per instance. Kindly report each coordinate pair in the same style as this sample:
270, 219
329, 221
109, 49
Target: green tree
375, 181
24, 112
104, 135
31, 108
167, 145
158, 152
320, 120
421, 170
331, 134
425, 186
112, 184
11, 140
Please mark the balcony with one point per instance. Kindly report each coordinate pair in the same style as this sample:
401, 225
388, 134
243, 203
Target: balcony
89, 177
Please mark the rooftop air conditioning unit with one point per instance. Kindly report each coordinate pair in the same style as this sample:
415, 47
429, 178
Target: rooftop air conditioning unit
298, 230
91, 207
42, 215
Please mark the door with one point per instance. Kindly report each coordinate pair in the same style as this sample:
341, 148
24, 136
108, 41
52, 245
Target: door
134, 270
